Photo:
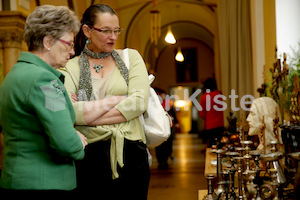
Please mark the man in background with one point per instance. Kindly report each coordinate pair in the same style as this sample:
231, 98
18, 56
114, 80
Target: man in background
164, 151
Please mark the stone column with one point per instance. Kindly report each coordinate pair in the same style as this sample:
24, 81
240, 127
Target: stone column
12, 25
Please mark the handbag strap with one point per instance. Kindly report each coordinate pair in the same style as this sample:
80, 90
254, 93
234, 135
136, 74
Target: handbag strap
151, 77
126, 58
127, 64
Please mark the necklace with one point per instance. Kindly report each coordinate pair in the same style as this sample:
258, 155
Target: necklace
98, 67
85, 88
97, 55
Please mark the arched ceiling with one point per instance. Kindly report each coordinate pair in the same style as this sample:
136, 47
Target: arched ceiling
182, 30
172, 12
190, 19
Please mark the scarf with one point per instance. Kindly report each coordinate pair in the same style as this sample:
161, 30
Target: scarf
85, 88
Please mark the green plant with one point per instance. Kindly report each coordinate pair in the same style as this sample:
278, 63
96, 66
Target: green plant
294, 59
294, 70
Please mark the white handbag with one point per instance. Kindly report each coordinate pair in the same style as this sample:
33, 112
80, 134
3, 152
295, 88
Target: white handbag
155, 120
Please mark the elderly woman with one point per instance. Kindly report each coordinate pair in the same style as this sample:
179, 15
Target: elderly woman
37, 117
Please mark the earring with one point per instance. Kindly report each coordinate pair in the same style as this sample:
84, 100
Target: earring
49, 49
88, 41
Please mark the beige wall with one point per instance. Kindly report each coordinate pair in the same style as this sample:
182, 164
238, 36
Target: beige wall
263, 31
270, 37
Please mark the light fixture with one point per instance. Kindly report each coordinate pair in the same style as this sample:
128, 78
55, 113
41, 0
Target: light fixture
180, 103
170, 37
154, 25
179, 56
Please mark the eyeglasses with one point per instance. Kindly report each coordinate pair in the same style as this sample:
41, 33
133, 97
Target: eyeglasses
106, 31
70, 44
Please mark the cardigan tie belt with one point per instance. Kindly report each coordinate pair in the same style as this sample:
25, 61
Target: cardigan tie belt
116, 151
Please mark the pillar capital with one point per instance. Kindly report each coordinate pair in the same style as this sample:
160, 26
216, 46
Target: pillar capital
12, 25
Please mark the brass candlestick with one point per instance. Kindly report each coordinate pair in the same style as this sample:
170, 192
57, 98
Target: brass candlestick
241, 188
251, 186
220, 188
247, 156
273, 163
211, 195
255, 154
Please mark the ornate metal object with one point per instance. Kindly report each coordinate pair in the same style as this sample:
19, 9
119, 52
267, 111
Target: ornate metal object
211, 195
220, 188
241, 188
273, 162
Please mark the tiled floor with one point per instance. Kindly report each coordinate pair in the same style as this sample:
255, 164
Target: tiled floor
185, 175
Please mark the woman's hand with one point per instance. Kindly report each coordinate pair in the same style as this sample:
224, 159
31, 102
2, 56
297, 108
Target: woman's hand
83, 139
74, 98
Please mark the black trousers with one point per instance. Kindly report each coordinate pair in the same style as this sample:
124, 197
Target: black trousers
36, 194
94, 175
165, 150
214, 135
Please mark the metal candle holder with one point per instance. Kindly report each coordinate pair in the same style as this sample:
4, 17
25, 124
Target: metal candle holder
226, 182
252, 188
247, 146
211, 195
242, 194
275, 184
232, 171
232, 194
255, 154
273, 162
231, 155
220, 188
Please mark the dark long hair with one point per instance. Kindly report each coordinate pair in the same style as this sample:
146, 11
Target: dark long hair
89, 18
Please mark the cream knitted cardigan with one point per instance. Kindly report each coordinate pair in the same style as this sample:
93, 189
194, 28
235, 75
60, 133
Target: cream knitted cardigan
132, 107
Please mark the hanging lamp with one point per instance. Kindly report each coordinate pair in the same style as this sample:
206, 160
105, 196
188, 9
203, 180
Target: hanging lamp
170, 37
179, 56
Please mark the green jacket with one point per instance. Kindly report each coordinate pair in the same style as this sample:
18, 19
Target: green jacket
37, 117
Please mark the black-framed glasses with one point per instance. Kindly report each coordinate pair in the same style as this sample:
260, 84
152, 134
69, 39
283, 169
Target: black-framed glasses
107, 31
70, 44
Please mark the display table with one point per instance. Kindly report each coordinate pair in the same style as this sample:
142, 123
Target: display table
209, 168
201, 194
212, 169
